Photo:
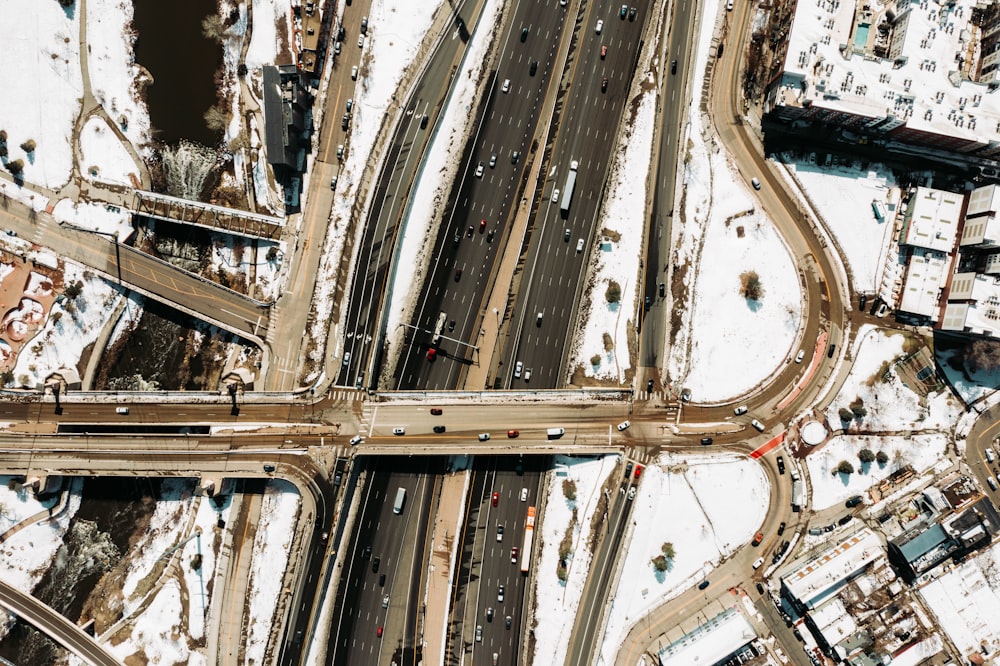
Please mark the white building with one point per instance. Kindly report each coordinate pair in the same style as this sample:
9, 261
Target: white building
824, 573
930, 228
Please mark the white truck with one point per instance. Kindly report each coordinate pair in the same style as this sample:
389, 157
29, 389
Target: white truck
567, 196
555, 433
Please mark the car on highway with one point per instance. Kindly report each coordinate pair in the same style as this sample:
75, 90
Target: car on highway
482, 226
624, 425
366, 553
527, 375
354, 73
512, 434
493, 160
649, 385
801, 355
489, 236
385, 601
604, 85
484, 436
479, 633
739, 411
471, 230
705, 441
347, 359
496, 498
489, 614
631, 13
623, 12
357, 439
524, 34
781, 528
439, 429
381, 580
533, 67
524, 494
758, 563
432, 354
638, 471
604, 51
378, 632
757, 538
513, 555
376, 563
781, 465
121, 410
567, 234
506, 621
517, 369
436, 411
505, 88
673, 66
399, 431
514, 156
499, 532
500, 593
599, 27
480, 170
458, 274
579, 246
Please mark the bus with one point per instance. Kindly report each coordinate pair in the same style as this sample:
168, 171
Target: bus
529, 535
442, 318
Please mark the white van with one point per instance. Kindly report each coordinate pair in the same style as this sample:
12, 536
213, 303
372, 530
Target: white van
397, 507
555, 433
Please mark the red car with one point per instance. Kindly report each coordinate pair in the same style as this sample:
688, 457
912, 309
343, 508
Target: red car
378, 632
482, 226
757, 538
432, 354
604, 52
436, 411
513, 555
496, 498
511, 434
638, 471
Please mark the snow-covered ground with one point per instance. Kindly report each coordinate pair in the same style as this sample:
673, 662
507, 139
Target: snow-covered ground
715, 504
966, 602
556, 602
104, 159
843, 196
890, 405
830, 488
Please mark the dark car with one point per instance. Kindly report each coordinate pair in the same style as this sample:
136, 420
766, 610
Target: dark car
458, 238
853, 502
631, 14
436, 411
451, 327
346, 121
375, 564
781, 528
648, 304
845, 519
673, 66
829, 528
705, 441
439, 429
663, 289
604, 85
524, 34
458, 274
381, 580
366, 553
649, 385
489, 236
533, 67
829, 352
703, 584
781, 465
423, 122
470, 231
760, 589
512, 434
628, 470
863, 302
482, 226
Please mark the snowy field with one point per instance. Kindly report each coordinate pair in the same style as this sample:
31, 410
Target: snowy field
890, 405
556, 602
830, 488
715, 504
104, 159
966, 603
843, 196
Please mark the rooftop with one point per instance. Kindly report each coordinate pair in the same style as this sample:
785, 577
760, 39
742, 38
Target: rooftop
710, 642
932, 219
833, 566
926, 277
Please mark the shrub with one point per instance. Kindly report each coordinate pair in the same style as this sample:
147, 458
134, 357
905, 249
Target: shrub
668, 550
595, 360
858, 409
609, 342
569, 489
750, 286
28, 146
15, 166
845, 414
614, 292
866, 456
272, 253
881, 458
845, 467
73, 289
659, 563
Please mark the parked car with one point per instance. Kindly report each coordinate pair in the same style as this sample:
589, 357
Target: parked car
703, 584
638, 471
781, 465
853, 501
781, 528
439, 429
757, 538
758, 563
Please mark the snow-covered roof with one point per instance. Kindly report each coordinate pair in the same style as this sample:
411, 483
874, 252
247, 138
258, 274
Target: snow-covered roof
901, 64
932, 219
981, 224
710, 642
833, 566
926, 277
833, 621
981, 312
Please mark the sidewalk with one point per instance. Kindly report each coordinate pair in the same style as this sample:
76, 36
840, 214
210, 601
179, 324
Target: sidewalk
449, 516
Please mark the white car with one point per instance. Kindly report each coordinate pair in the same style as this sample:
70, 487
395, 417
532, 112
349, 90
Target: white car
524, 494
600, 26
357, 439
801, 355
555, 195
354, 73
479, 170
505, 88
361, 41
729, 5
759, 563
499, 532
624, 425
757, 425
739, 411
631, 493
500, 593
493, 160
484, 437
527, 375
517, 370
385, 601
579, 245
121, 410
882, 310
399, 431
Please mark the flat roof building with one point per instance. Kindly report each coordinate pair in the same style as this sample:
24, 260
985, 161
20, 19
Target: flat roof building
823, 574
